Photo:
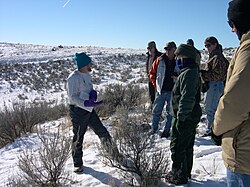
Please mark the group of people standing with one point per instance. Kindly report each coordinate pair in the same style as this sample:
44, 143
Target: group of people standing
162, 71
175, 78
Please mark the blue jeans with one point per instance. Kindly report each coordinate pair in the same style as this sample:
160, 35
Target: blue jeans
160, 100
213, 95
237, 180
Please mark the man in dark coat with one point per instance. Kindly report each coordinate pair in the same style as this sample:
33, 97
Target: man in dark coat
152, 54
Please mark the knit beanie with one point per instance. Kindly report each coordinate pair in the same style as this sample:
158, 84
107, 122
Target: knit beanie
239, 14
186, 50
82, 60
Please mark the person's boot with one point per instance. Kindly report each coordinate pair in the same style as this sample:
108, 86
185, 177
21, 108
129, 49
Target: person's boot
165, 134
176, 179
79, 170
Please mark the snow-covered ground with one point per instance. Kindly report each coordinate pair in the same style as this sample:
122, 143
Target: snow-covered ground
208, 169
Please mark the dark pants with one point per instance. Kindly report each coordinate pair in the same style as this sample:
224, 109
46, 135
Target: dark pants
81, 119
151, 90
181, 146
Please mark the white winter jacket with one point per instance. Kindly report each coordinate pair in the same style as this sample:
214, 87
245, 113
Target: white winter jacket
78, 87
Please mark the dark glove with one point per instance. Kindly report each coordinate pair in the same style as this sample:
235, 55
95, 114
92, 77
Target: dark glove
92, 95
90, 103
217, 140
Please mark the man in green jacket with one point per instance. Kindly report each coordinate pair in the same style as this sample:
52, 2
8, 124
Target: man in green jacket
231, 127
186, 113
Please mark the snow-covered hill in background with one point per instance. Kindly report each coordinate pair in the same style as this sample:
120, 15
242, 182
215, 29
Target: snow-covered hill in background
35, 72
10, 52
38, 72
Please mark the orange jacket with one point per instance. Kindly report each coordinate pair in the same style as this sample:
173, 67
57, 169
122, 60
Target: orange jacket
161, 73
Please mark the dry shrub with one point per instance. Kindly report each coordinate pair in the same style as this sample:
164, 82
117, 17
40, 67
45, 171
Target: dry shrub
144, 165
22, 117
46, 165
129, 96
211, 169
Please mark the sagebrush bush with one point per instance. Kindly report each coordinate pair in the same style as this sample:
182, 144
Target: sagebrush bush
22, 117
116, 95
211, 169
46, 165
145, 164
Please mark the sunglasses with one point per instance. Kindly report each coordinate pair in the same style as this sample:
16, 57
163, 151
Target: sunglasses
168, 48
208, 45
230, 23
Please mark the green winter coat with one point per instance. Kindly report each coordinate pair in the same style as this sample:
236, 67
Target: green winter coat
185, 103
232, 118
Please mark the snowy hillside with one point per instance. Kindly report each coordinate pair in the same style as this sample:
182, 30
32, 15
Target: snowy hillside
10, 52
35, 73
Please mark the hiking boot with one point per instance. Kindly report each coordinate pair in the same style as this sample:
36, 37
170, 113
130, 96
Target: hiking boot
177, 180
165, 134
79, 170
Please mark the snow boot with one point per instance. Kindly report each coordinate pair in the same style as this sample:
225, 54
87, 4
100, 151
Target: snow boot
79, 170
176, 179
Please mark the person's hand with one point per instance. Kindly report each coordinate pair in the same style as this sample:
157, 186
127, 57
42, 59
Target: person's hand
90, 103
93, 95
217, 140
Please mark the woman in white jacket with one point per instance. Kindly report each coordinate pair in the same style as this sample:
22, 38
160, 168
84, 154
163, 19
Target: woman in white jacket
82, 100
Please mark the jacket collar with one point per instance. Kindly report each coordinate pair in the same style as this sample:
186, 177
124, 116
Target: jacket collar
190, 66
245, 37
217, 51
